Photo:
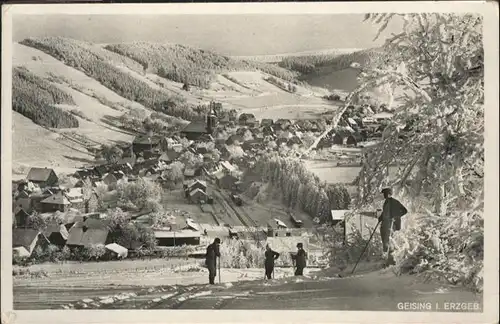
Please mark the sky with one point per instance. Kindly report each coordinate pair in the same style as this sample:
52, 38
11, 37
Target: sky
227, 34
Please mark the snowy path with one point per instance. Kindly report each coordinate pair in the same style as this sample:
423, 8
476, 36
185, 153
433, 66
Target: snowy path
372, 291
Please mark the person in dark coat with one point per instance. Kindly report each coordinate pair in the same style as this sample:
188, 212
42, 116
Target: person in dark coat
390, 218
300, 260
213, 252
271, 256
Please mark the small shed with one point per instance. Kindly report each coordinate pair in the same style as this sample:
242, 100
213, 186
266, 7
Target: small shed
177, 238
116, 251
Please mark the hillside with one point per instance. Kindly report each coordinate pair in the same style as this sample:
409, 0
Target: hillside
277, 58
335, 61
96, 84
188, 65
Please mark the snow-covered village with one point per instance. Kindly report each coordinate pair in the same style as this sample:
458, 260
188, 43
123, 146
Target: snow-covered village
155, 167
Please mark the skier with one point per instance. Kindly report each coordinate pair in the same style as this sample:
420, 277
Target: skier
390, 218
270, 256
300, 260
213, 252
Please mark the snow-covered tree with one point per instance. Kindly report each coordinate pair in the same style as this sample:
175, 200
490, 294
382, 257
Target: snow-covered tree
435, 70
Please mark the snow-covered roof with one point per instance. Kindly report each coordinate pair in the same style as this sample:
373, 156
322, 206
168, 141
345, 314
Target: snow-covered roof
179, 234
118, 249
280, 223
192, 224
228, 166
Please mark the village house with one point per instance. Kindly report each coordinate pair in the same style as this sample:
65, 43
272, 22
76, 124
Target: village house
224, 152
281, 141
57, 234
197, 184
266, 122
43, 177
268, 131
194, 130
25, 240
91, 231
126, 163
235, 140
197, 129
224, 119
352, 140
148, 155
227, 167
286, 134
143, 143
201, 149
111, 179
92, 203
55, 202
338, 139
23, 200
36, 200
281, 124
226, 181
72, 217
83, 173
75, 197
303, 124
253, 124
246, 119
21, 218
100, 170
169, 156
241, 130
198, 196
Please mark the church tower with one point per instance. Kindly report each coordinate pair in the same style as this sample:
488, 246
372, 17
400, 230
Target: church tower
212, 120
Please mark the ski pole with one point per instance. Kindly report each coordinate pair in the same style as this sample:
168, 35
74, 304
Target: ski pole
365, 247
219, 271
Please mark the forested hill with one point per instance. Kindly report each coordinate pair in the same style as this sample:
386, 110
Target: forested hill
335, 62
189, 65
